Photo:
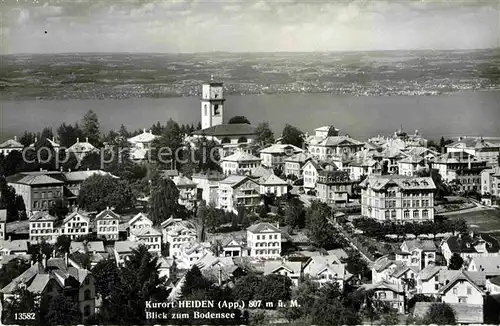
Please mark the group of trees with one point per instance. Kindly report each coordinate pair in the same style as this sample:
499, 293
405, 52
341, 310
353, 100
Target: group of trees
12, 202
375, 229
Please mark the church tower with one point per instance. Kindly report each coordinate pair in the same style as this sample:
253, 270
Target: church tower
212, 104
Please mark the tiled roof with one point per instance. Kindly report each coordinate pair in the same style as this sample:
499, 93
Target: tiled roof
91, 246
425, 245
73, 214
383, 286
449, 277
82, 147
379, 182
464, 313
15, 245
84, 175
183, 181
237, 129
145, 137
320, 263
332, 141
235, 180
488, 265
382, 263
259, 227
241, 156
299, 158
281, 149
11, 143
39, 283
106, 212
272, 180
137, 217
401, 269
126, 246
33, 179
466, 244
456, 157
42, 216
292, 266
430, 271
260, 171
144, 232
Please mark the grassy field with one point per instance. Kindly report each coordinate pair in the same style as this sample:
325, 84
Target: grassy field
485, 221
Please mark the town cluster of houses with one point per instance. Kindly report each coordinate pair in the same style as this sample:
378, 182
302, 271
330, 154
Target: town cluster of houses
414, 269
335, 169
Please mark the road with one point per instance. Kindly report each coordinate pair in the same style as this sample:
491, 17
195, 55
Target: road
348, 239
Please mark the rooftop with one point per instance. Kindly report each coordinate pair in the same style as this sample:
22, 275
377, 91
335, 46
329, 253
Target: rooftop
237, 129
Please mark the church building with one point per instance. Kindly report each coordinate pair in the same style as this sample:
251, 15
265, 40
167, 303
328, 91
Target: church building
230, 136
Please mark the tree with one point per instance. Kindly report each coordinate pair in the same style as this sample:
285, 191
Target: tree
239, 119
59, 208
23, 301
99, 192
265, 135
295, 213
90, 128
329, 308
47, 133
456, 262
168, 147
355, 264
194, 282
164, 201
292, 136
440, 314
332, 131
137, 282
63, 244
275, 288
106, 273
320, 231
27, 139
69, 134
61, 310
11, 270
247, 287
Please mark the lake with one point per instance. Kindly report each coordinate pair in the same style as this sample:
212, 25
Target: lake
459, 113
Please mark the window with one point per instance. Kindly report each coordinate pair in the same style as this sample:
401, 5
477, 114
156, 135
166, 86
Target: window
393, 214
205, 110
415, 214
216, 109
86, 295
469, 290
455, 290
394, 295
407, 214
425, 213
436, 287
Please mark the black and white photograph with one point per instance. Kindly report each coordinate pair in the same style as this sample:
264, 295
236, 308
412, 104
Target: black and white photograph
250, 162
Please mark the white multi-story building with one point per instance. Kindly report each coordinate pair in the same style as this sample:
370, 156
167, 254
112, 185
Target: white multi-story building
461, 168
417, 253
264, 241
239, 163
358, 169
428, 280
462, 289
149, 236
311, 170
107, 224
398, 198
294, 164
237, 191
484, 148
176, 233
333, 187
490, 182
208, 184
469, 246
75, 225
334, 146
275, 155
42, 227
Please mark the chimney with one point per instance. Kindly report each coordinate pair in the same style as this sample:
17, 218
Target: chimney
44, 261
107, 208
15, 138
78, 140
86, 139
144, 130
66, 259
278, 225
469, 163
53, 139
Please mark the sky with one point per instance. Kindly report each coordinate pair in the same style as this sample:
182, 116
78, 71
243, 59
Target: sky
186, 26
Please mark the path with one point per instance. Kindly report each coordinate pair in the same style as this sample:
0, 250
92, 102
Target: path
347, 237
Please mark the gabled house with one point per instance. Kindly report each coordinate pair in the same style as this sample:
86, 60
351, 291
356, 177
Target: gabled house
275, 155
326, 269
107, 223
75, 225
192, 252
231, 247
239, 163
264, 241
333, 187
176, 233
82, 149
334, 146
382, 268
53, 277
490, 266
150, 237
141, 144
469, 246
462, 289
417, 253
11, 145
428, 280
404, 276
295, 163
287, 268
42, 227
311, 170
139, 221
238, 190
13, 247
273, 185
391, 294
